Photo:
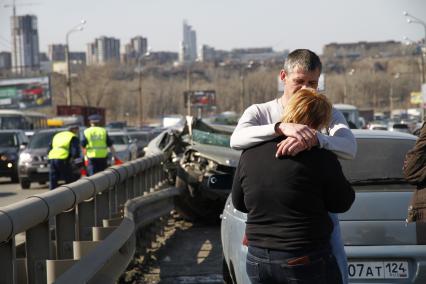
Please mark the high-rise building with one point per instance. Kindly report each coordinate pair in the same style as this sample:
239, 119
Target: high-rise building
5, 60
56, 52
25, 45
137, 47
103, 50
188, 48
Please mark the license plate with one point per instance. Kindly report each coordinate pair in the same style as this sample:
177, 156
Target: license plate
378, 270
43, 169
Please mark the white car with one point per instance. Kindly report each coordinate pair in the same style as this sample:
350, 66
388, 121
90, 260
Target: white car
124, 146
380, 245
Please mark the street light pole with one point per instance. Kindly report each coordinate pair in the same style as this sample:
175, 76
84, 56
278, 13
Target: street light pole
77, 28
414, 20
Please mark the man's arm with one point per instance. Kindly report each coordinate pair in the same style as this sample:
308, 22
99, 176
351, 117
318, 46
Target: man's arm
249, 130
111, 146
340, 140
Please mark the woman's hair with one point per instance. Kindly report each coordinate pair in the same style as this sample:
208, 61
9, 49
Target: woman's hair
308, 107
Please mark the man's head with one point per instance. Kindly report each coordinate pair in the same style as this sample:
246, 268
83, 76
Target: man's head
95, 119
302, 69
73, 128
308, 107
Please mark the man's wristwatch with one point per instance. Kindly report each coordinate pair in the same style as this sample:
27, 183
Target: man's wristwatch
277, 128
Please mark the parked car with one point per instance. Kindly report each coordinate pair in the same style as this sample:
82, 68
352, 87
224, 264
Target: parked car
400, 127
33, 165
141, 138
380, 245
12, 142
124, 146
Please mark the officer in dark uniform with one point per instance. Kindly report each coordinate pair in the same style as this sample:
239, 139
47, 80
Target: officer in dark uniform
96, 143
64, 151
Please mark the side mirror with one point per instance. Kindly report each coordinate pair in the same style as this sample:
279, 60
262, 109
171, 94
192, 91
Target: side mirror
23, 146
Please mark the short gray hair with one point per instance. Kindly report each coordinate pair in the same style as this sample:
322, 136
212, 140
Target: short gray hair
303, 59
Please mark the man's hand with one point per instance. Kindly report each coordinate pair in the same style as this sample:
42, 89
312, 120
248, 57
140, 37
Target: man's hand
290, 146
305, 135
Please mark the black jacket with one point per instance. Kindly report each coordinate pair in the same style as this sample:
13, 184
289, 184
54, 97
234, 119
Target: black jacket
415, 173
288, 199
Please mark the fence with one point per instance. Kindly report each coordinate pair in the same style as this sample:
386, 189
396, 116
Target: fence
84, 231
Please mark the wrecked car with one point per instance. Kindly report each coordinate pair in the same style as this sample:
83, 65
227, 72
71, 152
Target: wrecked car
201, 161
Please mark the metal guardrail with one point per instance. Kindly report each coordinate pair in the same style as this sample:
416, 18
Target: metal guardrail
84, 231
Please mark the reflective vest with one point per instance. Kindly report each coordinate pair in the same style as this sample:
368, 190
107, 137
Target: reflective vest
61, 145
96, 142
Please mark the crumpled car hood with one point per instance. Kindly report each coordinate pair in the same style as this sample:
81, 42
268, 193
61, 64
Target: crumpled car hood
221, 155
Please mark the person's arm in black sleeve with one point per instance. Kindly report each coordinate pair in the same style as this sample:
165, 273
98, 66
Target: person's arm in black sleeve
75, 151
415, 161
338, 193
237, 192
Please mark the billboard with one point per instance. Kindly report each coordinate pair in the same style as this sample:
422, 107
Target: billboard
201, 99
25, 93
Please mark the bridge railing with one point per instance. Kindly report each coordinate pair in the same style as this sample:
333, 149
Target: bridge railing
83, 231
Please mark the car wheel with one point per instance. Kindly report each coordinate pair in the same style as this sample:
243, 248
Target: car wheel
227, 278
196, 207
25, 183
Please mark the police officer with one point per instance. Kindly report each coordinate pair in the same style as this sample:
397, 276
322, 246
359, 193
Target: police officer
96, 142
64, 150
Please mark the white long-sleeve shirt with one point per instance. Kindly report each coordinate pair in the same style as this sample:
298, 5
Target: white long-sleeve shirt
257, 125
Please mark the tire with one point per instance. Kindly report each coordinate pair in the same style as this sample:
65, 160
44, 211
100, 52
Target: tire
25, 183
197, 208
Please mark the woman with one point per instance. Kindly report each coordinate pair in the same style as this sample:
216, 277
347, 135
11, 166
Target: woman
288, 199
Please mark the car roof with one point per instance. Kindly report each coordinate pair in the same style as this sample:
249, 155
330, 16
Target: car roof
50, 130
11, 130
365, 133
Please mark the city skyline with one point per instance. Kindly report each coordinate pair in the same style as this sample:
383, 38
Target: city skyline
220, 24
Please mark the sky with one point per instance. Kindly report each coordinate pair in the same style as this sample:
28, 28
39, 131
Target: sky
222, 24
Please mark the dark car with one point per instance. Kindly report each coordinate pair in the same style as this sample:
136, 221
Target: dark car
202, 163
33, 162
11, 143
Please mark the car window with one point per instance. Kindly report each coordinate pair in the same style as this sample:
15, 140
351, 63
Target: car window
210, 138
119, 139
41, 140
377, 159
8, 140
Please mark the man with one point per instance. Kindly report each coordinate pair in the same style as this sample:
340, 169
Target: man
261, 122
64, 150
96, 142
415, 173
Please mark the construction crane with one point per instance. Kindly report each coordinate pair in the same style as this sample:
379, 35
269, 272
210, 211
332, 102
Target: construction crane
14, 27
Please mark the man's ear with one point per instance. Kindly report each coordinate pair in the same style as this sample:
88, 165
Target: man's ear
282, 75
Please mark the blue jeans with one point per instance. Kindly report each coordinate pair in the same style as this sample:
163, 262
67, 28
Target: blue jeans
338, 248
281, 267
